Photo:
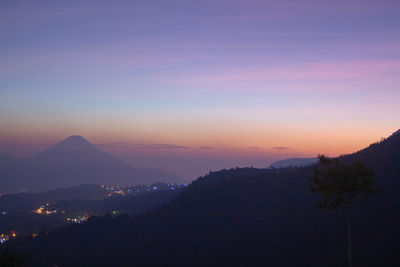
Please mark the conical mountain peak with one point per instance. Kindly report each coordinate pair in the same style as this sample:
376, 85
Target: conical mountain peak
75, 161
74, 142
76, 139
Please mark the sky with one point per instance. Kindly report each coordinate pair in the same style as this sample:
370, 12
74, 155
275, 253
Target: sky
193, 86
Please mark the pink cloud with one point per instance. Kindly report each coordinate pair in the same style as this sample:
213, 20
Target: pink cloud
302, 76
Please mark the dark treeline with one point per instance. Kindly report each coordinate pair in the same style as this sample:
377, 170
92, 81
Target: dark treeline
239, 217
123, 204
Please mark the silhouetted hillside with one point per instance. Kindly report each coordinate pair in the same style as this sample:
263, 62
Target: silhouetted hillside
123, 204
386, 164
5, 162
18, 212
4, 158
240, 217
72, 162
22, 202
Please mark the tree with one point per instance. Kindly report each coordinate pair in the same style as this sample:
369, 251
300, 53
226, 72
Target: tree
340, 185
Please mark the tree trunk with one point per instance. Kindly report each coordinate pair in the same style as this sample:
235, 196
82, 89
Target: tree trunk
349, 236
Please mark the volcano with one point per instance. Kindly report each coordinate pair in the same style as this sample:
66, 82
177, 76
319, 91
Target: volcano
72, 162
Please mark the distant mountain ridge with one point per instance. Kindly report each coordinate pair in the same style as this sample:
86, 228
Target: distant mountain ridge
293, 162
72, 162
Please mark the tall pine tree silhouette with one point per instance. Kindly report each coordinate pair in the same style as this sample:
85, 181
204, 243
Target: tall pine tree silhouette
340, 185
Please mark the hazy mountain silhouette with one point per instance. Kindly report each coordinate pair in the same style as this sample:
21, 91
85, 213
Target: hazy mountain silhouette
241, 217
293, 162
5, 161
5, 157
72, 162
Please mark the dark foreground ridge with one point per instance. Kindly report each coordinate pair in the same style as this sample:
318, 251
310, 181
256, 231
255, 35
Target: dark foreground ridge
239, 217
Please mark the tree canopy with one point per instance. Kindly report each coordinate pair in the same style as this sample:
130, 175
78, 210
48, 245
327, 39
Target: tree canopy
340, 184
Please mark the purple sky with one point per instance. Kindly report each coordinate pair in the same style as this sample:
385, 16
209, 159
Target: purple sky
190, 86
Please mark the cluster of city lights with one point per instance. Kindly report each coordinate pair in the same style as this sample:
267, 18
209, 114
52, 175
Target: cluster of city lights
47, 210
78, 219
123, 190
5, 237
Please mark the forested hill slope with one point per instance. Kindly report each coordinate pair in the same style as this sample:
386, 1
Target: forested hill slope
384, 157
240, 217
